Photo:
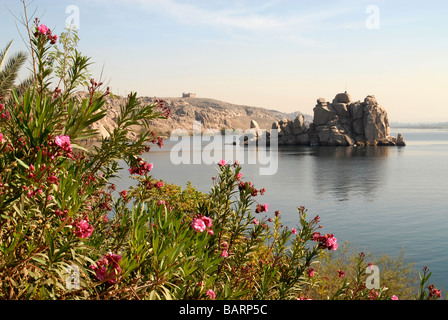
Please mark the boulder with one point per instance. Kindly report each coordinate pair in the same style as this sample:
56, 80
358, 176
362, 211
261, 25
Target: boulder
342, 98
254, 124
323, 133
321, 101
341, 109
370, 100
322, 115
285, 126
400, 140
298, 125
376, 123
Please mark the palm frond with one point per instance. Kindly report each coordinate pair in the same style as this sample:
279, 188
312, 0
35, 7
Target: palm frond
4, 53
10, 69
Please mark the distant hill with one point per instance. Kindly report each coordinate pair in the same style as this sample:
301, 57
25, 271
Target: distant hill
213, 114
307, 118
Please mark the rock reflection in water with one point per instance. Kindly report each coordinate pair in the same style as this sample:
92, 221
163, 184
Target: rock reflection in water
347, 172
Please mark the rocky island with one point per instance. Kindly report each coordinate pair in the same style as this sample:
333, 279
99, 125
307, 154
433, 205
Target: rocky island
339, 123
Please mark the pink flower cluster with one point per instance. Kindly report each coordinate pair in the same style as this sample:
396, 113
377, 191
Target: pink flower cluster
61, 214
4, 115
149, 184
107, 267
2, 139
434, 293
45, 31
211, 294
82, 229
251, 188
64, 143
141, 167
262, 208
310, 272
327, 241
225, 248
202, 223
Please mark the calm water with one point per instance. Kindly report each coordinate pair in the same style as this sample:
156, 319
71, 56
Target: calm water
380, 199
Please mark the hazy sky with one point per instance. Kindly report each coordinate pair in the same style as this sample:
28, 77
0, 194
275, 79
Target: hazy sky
274, 54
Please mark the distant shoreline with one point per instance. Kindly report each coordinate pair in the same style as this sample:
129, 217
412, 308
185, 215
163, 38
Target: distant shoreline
419, 126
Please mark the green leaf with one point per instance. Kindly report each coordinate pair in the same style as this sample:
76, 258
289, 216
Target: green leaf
23, 164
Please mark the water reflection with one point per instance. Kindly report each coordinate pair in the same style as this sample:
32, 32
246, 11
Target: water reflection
345, 173
349, 152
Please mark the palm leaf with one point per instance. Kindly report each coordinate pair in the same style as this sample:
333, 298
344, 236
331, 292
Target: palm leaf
9, 69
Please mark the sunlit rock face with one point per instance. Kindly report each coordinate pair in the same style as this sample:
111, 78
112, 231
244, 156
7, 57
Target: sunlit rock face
342, 122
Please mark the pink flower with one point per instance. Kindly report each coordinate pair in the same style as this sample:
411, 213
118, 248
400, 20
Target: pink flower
82, 229
42, 29
222, 163
198, 225
211, 294
332, 243
224, 254
239, 176
158, 184
341, 273
52, 179
394, 297
266, 207
53, 40
210, 232
310, 272
224, 245
141, 167
327, 241
207, 221
107, 267
63, 142
1, 138
294, 231
262, 208
255, 221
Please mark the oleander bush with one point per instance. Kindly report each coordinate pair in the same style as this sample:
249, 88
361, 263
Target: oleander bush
67, 233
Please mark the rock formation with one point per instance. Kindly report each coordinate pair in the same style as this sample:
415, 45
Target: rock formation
340, 123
